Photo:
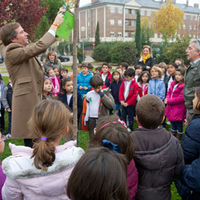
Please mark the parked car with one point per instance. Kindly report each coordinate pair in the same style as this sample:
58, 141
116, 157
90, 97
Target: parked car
63, 58
1, 59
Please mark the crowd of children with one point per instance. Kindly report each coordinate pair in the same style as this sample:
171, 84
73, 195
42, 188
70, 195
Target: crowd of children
117, 165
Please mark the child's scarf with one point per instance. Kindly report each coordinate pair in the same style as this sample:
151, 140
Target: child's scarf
56, 88
144, 58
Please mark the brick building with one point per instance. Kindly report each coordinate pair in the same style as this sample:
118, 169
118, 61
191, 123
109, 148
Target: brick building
117, 19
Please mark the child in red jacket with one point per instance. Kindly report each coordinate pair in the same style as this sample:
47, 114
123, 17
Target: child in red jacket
128, 93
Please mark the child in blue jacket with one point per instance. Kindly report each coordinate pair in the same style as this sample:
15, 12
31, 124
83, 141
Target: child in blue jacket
83, 81
156, 86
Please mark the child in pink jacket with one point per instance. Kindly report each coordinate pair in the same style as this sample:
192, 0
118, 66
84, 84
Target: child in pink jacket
42, 172
175, 110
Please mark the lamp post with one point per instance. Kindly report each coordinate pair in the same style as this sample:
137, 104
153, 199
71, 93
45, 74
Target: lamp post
82, 30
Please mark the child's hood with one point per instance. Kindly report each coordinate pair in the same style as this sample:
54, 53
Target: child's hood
20, 165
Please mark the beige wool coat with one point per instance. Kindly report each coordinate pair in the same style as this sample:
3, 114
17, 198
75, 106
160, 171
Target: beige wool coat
27, 78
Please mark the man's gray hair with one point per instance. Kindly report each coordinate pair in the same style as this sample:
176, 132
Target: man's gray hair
197, 43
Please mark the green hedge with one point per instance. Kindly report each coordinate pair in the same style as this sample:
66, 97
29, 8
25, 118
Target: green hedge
115, 52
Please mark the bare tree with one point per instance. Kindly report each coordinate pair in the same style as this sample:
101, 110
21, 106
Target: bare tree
75, 67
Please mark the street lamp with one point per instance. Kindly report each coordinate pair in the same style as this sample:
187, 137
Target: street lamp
82, 30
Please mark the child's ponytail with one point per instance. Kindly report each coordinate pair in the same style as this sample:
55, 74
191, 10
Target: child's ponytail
44, 154
49, 122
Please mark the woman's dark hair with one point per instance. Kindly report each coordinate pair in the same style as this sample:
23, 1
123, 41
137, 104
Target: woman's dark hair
99, 174
110, 128
129, 72
120, 77
182, 71
96, 81
140, 77
8, 32
50, 119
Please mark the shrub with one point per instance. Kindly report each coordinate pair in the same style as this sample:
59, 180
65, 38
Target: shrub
123, 52
101, 52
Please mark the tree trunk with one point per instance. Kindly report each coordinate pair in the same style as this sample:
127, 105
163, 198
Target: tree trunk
75, 68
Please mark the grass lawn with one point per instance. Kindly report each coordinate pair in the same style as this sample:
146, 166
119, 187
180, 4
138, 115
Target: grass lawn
83, 139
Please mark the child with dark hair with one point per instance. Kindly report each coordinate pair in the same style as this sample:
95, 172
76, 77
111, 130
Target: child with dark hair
124, 66
99, 174
114, 86
156, 86
106, 75
42, 172
128, 93
99, 103
66, 96
112, 133
171, 69
90, 68
138, 71
143, 82
83, 80
188, 185
175, 110
158, 155
63, 73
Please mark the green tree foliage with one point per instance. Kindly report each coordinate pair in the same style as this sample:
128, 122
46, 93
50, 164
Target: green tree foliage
101, 52
52, 9
97, 35
170, 52
138, 33
123, 52
115, 52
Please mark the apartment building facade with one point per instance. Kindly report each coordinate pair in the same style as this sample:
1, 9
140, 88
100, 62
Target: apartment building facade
117, 19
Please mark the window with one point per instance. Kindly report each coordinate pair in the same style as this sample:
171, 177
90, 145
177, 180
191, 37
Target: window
156, 35
112, 22
129, 11
88, 24
148, 13
119, 22
126, 10
112, 34
142, 12
126, 34
112, 9
119, 34
132, 22
133, 12
120, 10
126, 22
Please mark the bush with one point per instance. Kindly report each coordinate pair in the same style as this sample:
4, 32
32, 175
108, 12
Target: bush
101, 52
171, 51
123, 52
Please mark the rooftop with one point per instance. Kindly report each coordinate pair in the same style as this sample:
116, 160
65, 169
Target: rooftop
151, 4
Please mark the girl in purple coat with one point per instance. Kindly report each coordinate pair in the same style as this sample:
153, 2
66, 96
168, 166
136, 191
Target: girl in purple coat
112, 133
175, 110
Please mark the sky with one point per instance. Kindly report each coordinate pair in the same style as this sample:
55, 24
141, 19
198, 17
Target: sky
191, 2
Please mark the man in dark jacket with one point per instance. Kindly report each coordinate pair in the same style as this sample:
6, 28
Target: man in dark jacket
192, 76
158, 154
